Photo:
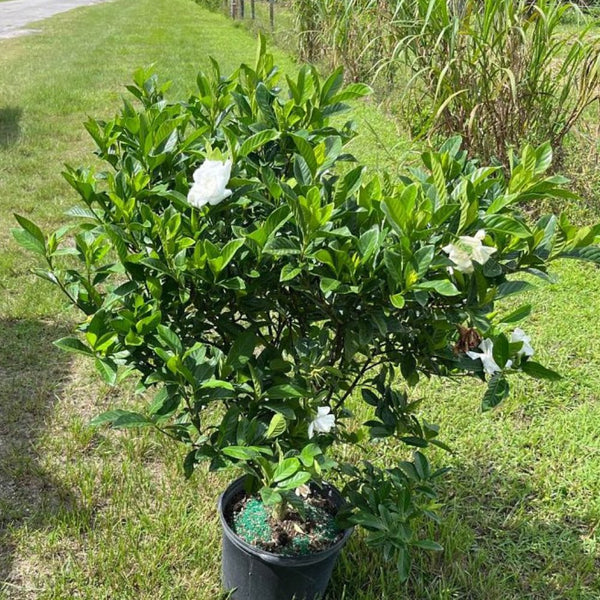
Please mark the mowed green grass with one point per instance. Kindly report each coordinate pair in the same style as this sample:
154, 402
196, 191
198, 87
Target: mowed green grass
97, 515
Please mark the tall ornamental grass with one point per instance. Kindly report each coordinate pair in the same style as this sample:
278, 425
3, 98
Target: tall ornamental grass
498, 72
357, 34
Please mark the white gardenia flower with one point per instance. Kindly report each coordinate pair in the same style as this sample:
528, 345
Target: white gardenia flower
468, 249
323, 423
210, 181
518, 335
485, 356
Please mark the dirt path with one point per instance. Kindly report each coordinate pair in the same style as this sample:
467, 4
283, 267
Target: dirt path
15, 15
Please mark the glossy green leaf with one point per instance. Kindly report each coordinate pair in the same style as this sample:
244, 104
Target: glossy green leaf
441, 286
497, 390
71, 344
242, 349
286, 390
277, 426
534, 369
258, 140
287, 468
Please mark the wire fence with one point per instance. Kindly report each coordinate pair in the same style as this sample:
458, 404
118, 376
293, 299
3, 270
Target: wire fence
243, 9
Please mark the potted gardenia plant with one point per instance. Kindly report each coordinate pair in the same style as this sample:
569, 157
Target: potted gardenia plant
262, 287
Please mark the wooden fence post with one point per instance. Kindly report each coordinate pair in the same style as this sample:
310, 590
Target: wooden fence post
242, 9
253, 9
272, 13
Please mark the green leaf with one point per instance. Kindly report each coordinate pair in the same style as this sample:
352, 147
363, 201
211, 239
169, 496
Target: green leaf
254, 142
429, 545
347, 185
165, 402
285, 469
367, 243
399, 211
509, 288
71, 344
369, 521
149, 323
281, 407
328, 284
501, 350
439, 179
332, 84
302, 171
26, 240
517, 315
496, 391
107, 369
277, 219
189, 463
106, 418
242, 349
589, 253
286, 390
415, 441
226, 255
534, 369
233, 283
403, 563
398, 300
281, 246
294, 481
289, 272
543, 156
504, 224
125, 289
264, 99
369, 397
31, 228
241, 452
352, 92
444, 213
172, 340
309, 453
277, 426
83, 212
121, 419
44, 274
213, 384
306, 151
423, 258
270, 497
129, 420
441, 286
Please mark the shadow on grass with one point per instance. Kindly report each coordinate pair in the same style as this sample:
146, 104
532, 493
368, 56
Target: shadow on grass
10, 127
498, 546
32, 372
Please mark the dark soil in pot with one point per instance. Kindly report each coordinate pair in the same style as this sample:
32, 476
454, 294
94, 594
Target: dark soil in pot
259, 574
296, 534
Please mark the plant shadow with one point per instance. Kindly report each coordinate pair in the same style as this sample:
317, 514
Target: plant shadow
32, 372
10, 125
499, 544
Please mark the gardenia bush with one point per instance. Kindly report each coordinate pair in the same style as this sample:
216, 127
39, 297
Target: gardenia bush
259, 285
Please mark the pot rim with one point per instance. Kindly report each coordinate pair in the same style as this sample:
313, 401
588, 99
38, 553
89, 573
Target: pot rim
265, 555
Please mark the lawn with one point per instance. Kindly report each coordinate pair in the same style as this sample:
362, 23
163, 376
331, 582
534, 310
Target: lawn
95, 516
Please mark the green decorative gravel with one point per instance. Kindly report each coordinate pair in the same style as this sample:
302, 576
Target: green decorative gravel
253, 524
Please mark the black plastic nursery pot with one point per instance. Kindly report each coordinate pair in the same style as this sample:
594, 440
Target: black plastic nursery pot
256, 574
